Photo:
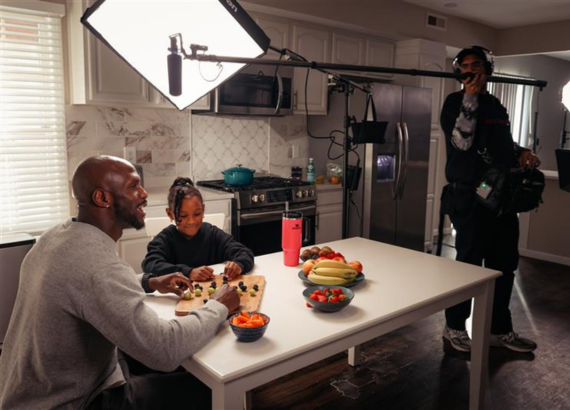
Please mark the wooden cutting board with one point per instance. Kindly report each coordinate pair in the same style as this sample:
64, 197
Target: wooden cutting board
247, 302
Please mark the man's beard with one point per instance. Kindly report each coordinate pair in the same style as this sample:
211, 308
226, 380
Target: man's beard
129, 217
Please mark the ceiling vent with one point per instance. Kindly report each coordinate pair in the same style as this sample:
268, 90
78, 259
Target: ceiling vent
437, 22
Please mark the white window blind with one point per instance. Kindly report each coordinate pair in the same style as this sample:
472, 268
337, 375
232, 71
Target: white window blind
518, 99
33, 164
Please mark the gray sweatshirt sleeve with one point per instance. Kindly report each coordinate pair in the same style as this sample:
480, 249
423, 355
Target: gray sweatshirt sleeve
116, 308
464, 130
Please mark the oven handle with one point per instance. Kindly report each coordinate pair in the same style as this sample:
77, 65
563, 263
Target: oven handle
269, 213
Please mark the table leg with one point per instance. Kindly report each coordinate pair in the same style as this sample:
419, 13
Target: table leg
227, 397
354, 356
248, 400
483, 306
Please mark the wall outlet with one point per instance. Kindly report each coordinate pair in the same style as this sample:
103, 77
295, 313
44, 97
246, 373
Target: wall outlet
295, 151
130, 154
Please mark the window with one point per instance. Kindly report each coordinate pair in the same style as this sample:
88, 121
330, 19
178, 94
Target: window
519, 101
33, 159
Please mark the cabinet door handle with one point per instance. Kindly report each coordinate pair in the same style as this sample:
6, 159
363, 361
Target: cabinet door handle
406, 156
295, 100
317, 218
396, 190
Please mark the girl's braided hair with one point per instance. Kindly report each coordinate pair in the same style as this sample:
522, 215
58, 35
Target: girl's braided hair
181, 188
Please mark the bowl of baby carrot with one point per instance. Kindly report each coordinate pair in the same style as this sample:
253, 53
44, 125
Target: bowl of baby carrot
249, 326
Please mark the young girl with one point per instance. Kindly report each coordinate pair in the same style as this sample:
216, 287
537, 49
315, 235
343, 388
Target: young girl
190, 245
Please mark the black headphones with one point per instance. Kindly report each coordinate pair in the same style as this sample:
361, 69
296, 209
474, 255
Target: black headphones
483, 53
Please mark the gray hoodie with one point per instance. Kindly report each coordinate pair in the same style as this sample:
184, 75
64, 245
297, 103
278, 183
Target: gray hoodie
77, 302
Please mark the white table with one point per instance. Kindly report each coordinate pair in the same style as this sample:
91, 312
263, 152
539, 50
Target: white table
401, 286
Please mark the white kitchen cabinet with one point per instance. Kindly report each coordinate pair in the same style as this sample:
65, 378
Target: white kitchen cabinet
133, 251
314, 45
379, 54
279, 31
329, 213
348, 49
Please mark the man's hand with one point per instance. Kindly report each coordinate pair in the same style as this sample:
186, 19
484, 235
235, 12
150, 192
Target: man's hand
474, 86
171, 283
232, 270
528, 160
201, 274
228, 296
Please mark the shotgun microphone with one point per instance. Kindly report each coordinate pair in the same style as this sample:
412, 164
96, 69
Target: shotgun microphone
174, 61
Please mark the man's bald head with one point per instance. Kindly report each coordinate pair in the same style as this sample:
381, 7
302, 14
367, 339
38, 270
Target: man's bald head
101, 172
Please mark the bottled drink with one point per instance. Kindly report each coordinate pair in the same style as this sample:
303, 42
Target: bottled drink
311, 171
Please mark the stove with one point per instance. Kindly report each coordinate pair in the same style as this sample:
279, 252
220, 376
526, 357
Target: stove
266, 191
257, 210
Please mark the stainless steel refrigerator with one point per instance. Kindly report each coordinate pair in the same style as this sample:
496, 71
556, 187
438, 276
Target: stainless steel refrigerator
395, 174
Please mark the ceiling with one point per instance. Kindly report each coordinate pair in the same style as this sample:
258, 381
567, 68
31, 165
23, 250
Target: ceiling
501, 14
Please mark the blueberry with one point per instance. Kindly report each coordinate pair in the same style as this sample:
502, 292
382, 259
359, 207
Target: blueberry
240, 283
256, 287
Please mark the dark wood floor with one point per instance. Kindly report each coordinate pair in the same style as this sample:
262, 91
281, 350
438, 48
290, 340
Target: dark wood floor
412, 368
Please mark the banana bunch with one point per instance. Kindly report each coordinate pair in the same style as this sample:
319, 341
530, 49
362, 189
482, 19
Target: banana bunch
332, 273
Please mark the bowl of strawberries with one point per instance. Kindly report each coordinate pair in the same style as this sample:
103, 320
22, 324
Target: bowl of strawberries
328, 298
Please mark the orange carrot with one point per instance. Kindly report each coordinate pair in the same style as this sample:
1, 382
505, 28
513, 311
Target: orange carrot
244, 319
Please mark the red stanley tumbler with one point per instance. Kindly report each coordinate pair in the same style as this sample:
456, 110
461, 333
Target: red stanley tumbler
291, 238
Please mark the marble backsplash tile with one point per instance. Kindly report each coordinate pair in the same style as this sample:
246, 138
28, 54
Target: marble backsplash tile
171, 143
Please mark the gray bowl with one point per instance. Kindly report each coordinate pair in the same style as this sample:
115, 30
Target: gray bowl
328, 306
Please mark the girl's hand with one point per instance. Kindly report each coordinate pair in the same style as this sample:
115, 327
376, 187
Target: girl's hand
232, 270
201, 274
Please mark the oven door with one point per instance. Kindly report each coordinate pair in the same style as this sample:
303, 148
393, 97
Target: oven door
260, 230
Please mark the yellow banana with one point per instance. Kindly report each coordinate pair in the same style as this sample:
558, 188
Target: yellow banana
338, 272
329, 263
328, 280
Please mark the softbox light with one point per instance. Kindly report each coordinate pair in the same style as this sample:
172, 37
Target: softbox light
139, 32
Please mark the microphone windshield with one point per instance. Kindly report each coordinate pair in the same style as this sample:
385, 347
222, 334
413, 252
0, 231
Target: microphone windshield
175, 74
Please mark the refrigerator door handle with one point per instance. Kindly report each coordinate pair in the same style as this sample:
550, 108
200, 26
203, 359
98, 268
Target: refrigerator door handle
406, 156
396, 191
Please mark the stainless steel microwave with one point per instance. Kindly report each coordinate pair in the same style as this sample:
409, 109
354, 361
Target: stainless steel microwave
255, 90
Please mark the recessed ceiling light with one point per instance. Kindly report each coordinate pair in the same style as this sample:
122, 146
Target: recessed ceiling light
450, 5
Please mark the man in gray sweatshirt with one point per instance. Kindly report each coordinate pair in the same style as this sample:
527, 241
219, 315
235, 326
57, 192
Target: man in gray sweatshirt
78, 302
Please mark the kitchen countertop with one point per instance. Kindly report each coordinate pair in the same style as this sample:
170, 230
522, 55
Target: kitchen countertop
157, 196
327, 186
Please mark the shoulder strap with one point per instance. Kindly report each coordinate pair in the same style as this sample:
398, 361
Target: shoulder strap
370, 107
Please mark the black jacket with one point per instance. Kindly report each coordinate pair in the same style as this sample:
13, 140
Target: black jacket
170, 251
492, 133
